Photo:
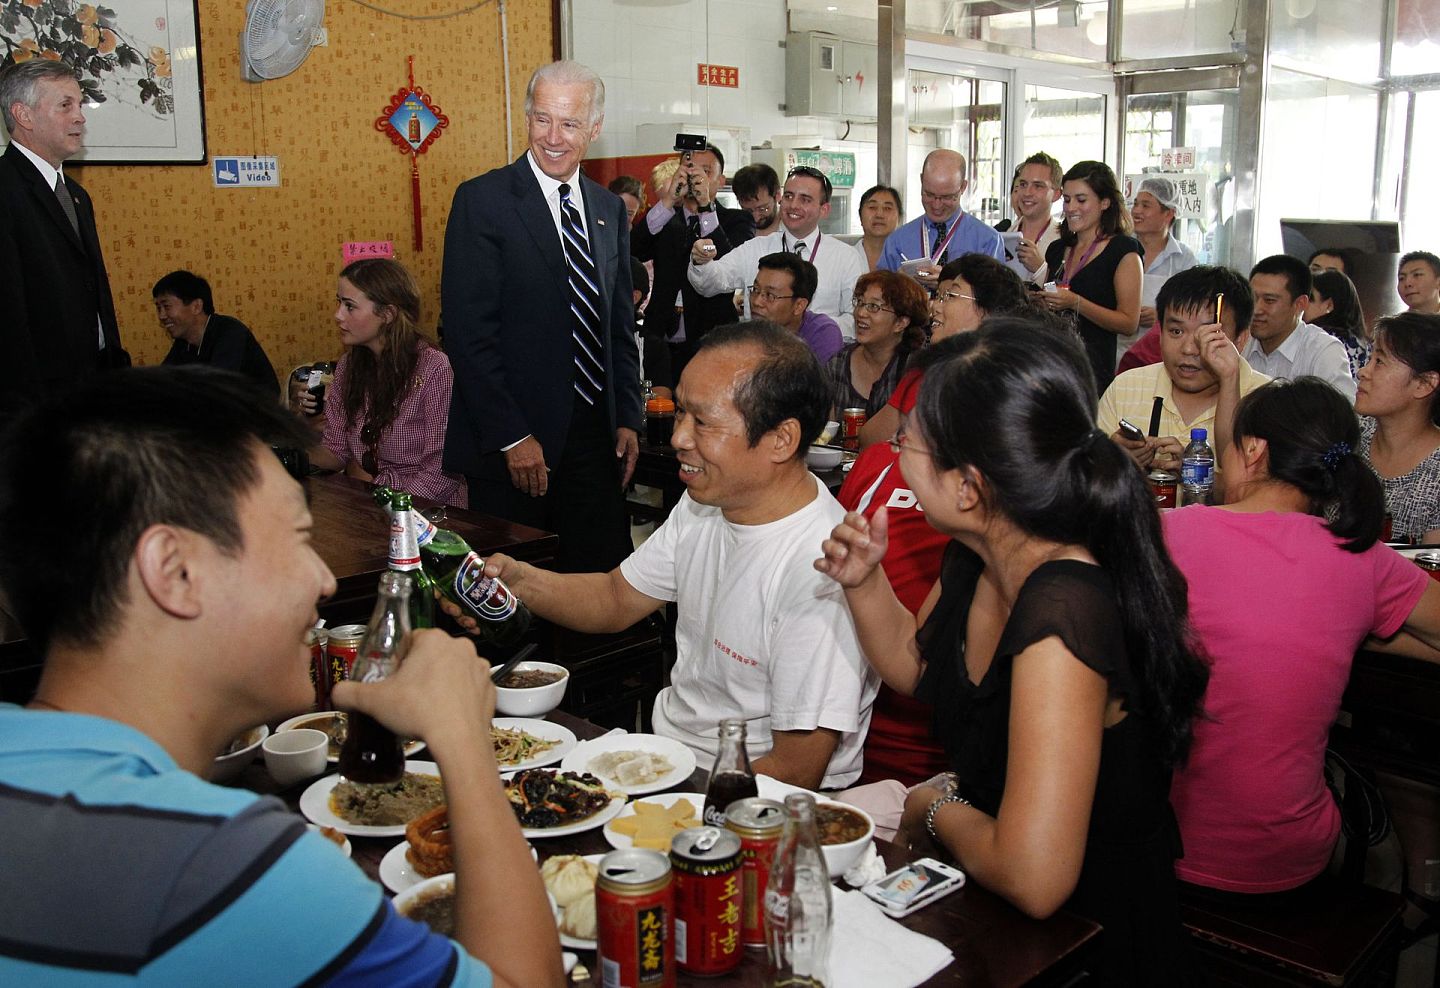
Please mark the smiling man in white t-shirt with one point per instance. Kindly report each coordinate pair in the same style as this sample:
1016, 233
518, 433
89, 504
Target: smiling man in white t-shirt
760, 635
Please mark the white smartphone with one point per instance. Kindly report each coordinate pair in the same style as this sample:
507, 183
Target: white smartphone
914, 886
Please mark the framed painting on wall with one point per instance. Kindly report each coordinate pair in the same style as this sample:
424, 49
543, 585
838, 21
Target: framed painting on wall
138, 67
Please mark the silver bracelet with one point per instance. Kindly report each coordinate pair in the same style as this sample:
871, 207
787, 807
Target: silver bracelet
935, 806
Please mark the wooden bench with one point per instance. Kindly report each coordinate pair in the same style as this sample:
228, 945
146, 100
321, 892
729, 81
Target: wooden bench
1339, 933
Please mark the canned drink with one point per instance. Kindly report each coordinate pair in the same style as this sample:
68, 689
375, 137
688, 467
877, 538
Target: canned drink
1429, 562
851, 419
318, 641
706, 865
634, 915
757, 822
1164, 486
341, 650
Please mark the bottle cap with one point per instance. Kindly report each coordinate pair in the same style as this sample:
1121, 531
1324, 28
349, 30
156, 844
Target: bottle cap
1198, 435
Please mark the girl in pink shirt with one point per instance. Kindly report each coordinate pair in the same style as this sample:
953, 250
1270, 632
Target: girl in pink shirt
1280, 599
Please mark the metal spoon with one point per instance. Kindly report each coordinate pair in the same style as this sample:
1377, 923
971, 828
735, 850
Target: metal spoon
498, 674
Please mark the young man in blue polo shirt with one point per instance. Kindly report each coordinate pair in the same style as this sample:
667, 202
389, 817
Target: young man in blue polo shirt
169, 590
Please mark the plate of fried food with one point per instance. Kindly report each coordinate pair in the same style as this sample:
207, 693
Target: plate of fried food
334, 724
553, 804
373, 811
570, 880
654, 821
424, 853
524, 742
636, 764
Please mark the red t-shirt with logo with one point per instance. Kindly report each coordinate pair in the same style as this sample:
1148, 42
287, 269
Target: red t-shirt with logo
900, 744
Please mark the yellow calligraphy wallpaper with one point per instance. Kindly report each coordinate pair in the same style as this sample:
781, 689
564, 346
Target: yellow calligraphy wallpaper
271, 255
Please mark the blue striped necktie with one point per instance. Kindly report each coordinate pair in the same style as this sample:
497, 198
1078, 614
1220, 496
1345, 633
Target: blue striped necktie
584, 301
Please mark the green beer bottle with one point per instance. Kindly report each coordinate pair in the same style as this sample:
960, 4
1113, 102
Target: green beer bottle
405, 558
459, 572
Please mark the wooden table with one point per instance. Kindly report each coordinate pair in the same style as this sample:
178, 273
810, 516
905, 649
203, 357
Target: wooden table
994, 943
658, 467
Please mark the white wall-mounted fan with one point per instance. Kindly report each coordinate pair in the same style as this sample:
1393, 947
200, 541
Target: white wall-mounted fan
278, 35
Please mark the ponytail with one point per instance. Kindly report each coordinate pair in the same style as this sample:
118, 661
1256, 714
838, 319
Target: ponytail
1017, 403
1311, 433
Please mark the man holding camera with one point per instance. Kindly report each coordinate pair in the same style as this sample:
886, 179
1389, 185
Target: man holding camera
686, 212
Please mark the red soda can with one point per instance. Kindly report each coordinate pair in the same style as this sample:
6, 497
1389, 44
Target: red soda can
341, 650
757, 822
1163, 485
706, 865
635, 918
851, 419
318, 641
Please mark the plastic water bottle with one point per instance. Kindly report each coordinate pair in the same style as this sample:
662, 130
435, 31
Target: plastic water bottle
1197, 470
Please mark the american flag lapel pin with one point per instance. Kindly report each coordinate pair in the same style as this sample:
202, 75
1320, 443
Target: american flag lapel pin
600, 221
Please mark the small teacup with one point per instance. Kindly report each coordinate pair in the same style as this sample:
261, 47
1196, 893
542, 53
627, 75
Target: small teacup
291, 756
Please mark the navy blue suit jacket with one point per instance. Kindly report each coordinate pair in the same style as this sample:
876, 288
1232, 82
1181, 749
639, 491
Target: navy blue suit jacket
506, 307
54, 286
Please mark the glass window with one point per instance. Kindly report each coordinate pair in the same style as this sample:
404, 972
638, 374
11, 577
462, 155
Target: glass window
1422, 207
1417, 38
1066, 27
1340, 38
1304, 173
964, 114
1175, 28
1064, 123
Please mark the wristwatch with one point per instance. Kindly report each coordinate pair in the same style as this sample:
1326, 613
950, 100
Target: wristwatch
953, 797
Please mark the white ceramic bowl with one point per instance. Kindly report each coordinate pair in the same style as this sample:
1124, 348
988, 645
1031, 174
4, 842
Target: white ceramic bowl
537, 700
424, 890
824, 457
291, 756
839, 857
228, 767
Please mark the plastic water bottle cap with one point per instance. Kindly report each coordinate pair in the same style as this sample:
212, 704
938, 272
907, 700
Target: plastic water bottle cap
1198, 435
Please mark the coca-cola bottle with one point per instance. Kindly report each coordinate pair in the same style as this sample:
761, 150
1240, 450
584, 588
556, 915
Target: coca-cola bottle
405, 558
372, 753
797, 901
459, 572
732, 777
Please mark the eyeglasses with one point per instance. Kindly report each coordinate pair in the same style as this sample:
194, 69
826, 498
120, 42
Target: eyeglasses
950, 200
762, 212
901, 441
953, 294
859, 304
757, 292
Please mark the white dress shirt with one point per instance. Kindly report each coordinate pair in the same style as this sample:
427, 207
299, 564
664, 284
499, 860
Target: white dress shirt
550, 188
836, 262
1307, 350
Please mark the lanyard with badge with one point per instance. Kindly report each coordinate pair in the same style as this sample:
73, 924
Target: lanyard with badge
942, 245
785, 247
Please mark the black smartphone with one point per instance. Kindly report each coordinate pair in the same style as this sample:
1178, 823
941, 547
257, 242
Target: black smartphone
1130, 432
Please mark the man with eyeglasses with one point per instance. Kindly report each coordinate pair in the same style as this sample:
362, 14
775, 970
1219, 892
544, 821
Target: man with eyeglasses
782, 291
758, 189
944, 231
685, 211
803, 204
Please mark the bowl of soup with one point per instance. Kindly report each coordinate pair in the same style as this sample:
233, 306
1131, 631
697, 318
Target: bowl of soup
844, 832
431, 902
531, 689
239, 753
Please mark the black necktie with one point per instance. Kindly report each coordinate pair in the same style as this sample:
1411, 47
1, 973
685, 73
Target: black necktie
62, 192
584, 301
800, 249
940, 239
693, 222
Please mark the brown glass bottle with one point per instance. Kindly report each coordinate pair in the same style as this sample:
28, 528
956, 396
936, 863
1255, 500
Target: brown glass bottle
372, 753
732, 777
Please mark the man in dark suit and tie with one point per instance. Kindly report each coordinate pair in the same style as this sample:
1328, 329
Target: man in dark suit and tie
59, 323
680, 316
539, 328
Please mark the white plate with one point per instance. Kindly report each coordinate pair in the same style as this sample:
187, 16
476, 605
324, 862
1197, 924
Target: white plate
621, 842
344, 848
540, 729
565, 939
309, 720
398, 874
681, 757
589, 823
315, 804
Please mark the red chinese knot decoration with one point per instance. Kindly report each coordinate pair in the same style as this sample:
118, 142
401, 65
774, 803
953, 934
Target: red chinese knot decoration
413, 123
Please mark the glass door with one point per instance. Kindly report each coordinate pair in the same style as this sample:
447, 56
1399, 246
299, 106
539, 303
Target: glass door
957, 110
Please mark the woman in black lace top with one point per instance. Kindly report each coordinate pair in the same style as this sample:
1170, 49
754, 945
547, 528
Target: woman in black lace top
1053, 646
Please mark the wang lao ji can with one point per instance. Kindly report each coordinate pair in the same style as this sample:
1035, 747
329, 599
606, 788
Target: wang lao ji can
635, 914
757, 822
341, 648
706, 864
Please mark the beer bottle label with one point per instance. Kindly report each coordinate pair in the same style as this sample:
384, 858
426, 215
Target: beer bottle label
404, 553
424, 528
486, 597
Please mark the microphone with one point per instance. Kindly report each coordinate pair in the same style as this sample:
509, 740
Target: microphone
1003, 225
